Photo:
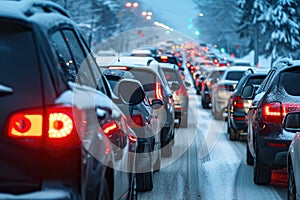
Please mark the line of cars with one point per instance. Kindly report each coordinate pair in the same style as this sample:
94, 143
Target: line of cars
69, 130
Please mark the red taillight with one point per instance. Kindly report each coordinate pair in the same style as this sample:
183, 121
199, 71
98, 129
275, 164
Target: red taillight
181, 91
272, 112
26, 124
274, 144
109, 128
118, 67
52, 127
238, 102
132, 138
135, 121
164, 59
158, 91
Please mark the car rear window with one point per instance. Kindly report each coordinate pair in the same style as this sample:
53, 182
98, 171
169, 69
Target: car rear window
234, 75
146, 78
289, 80
216, 74
170, 75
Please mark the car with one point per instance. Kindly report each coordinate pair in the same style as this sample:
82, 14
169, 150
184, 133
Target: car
143, 121
55, 122
168, 58
238, 107
291, 125
150, 74
267, 144
223, 89
213, 76
180, 96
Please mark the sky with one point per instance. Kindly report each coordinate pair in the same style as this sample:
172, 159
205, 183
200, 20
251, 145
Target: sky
174, 13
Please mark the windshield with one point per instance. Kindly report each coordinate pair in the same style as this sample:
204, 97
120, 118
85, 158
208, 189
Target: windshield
234, 75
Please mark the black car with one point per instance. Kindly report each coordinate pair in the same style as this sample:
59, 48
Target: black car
238, 107
55, 118
267, 143
144, 122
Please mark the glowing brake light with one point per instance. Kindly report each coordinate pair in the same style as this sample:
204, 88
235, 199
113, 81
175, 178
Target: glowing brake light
158, 91
25, 125
164, 59
118, 67
50, 127
135, 121
110, 128
60, 125
238, 102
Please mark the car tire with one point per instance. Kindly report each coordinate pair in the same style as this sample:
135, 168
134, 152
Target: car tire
184, 121
198, 92
233, 134
166, 151
144, 181
261, 171
249, 157
204, 104
291, 183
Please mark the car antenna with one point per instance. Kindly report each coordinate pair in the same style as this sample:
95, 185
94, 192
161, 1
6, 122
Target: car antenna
118, 56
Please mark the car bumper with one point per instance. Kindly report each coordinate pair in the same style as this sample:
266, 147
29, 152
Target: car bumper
143, 154
273, 151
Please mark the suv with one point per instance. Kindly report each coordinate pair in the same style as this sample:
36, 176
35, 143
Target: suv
151, 76
223, 89
51, 137
237, 107
144, 122
180, 96
267, 143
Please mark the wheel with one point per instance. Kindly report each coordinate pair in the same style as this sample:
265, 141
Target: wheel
291, 184
233, 134
204, 104
104, 191
261, 171
249, 157
228, 129
144, 181
166, 151
184, 121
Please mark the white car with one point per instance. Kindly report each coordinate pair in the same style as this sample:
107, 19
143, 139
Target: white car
291, 124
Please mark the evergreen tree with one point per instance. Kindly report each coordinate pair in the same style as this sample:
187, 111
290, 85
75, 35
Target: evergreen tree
281, 17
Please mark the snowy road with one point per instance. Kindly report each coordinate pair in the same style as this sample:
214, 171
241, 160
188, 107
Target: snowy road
211, 167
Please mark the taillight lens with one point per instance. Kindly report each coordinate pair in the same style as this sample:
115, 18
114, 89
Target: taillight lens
238, 102
135, 121
110, 128
272, 112
52, 127
26, 124
158, 91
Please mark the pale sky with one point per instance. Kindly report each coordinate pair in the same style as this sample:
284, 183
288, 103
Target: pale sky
174, 13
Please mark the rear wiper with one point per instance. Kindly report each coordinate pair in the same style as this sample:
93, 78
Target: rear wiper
4, 90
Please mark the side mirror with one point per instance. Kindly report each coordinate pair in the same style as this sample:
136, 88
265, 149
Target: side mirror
291, 122
131, 91
187, 84
157, 103
197, 76
174, 86
248, 92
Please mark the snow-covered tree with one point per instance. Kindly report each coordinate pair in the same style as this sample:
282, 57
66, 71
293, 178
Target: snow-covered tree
283, 21
219, 24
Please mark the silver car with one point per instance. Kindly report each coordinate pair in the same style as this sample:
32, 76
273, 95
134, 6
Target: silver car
223, 90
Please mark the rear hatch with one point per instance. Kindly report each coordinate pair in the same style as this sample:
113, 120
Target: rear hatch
20, 161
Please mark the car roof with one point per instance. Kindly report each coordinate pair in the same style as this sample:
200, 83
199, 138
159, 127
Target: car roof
34, 11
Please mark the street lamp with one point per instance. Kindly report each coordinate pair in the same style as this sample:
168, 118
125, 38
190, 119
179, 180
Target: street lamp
132, 4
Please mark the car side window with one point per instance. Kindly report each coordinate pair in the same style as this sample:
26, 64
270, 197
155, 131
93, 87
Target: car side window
267, 81
66, 63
